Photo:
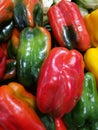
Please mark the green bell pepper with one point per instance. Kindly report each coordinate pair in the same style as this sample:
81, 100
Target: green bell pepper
87, 107
85, 114
34, 46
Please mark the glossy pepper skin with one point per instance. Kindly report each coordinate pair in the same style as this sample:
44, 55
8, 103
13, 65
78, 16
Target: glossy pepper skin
6, 29
2, 63
6, 15
87, 107
60, 124
91, 61
17, 109
91, 25
68, 25
84, 116
60, 81
34, 46
28, 13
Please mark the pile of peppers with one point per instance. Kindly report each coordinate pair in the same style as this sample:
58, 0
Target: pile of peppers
48, 65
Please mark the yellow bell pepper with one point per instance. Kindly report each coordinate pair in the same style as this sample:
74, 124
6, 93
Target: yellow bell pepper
91, 61
91, 21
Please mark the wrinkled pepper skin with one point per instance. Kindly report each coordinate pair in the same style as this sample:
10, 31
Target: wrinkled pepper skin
60, 81
28, 13
34, 46
68, 25
2, 63
91, 61
91, 22
6, 10
17, 109
87, 107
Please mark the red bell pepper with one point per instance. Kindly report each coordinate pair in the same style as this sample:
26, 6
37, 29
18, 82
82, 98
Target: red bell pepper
59, 124
68, 25
60, 81
17, 109
2, 63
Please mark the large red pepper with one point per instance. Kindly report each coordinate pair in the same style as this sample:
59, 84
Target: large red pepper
2, 63
68, 25
17, 109
60, 81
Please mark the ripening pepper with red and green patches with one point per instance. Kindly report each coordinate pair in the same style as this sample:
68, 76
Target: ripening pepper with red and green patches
68, 25
28, 13
60, 81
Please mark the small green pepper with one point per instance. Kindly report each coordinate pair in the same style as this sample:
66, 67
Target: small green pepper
87, 107
84, 115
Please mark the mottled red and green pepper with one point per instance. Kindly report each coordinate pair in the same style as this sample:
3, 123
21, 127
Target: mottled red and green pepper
68, 25
28, 13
